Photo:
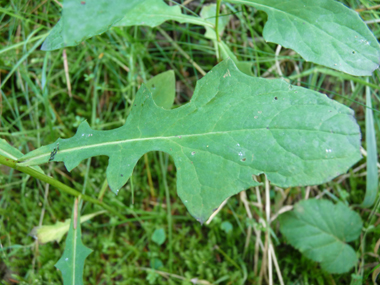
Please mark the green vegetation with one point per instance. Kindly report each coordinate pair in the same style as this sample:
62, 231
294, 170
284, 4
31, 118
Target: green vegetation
146, 234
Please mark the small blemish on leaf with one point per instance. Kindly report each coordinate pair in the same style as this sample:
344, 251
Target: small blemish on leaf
243, 159
275, 98
193, 153
215, 209
83, 2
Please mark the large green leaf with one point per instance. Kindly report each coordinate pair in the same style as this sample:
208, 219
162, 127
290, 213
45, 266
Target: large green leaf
322, 31
321, 230
71, 262
234, 127
84, 19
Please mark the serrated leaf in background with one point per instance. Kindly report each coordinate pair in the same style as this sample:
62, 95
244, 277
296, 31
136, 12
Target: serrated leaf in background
321, 31
84, 19
234, 127
321, 230
71, 262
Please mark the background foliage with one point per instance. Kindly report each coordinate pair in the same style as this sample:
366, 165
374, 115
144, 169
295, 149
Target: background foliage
44, 100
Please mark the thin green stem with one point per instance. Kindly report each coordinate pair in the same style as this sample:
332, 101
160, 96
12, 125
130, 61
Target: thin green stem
217, 20
55, 183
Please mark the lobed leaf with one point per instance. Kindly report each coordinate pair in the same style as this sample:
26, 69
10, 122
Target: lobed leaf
321, 230
321, 31
234, 127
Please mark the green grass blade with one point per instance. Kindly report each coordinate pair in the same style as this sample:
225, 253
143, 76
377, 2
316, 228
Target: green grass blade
372, 174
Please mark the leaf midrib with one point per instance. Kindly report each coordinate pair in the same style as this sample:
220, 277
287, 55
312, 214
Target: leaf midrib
102, 144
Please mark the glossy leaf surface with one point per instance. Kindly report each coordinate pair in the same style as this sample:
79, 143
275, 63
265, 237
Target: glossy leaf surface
234, 127
321, 230
321, 31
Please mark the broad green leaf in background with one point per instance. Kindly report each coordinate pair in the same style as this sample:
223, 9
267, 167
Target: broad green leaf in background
234, 127
72, 261
208, 13
321, 31
45, 234
84, 19
372, 174
321, 230
153, 13
13, 153
162, 87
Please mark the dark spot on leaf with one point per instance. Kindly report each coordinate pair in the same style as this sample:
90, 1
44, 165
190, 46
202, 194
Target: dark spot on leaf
353, 52
121, 175
267, 128
135, 104
275, 98
243, 159
83, 2
215, 209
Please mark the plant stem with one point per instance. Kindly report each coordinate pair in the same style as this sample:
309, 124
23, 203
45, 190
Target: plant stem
55, 183
217, 20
